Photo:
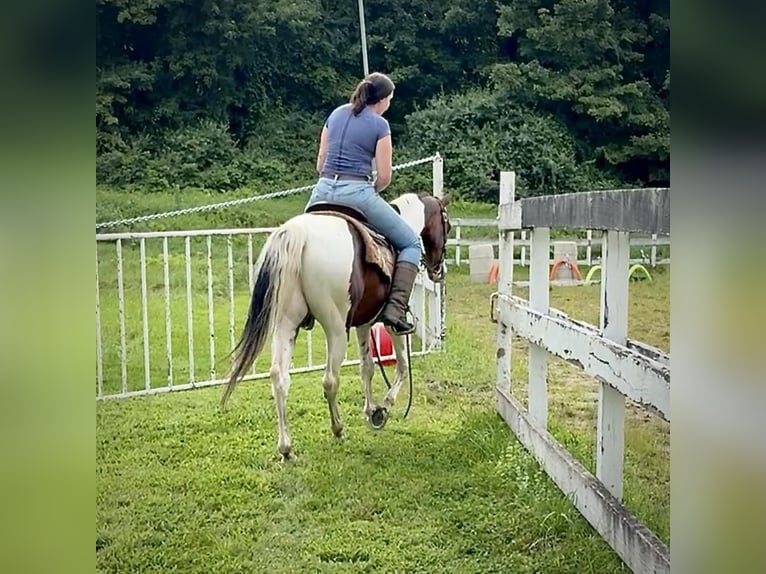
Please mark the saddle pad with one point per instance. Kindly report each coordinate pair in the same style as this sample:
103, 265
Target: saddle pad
378, 251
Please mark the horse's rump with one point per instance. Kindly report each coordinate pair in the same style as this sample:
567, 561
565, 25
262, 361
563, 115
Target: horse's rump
377, 249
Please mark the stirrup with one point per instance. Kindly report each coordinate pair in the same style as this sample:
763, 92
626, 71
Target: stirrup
404, 331
400, 322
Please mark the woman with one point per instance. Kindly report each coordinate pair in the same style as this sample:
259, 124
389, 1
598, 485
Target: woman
353, 135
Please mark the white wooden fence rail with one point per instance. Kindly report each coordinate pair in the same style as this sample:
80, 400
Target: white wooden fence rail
522, 242
623, 367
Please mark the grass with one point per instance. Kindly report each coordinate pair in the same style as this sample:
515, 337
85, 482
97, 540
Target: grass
182, 486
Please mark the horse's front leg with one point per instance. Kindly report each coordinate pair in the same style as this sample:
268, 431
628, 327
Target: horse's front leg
379, 415
366, 367
401, 374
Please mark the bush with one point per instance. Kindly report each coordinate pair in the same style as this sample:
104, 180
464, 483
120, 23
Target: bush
479, 134
203, 156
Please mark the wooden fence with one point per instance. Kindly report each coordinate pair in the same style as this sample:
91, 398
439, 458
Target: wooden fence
624, 368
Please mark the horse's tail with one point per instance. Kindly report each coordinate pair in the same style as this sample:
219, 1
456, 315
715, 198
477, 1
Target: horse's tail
277, 267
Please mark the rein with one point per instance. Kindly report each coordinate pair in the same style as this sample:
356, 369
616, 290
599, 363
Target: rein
438, 270
409, 371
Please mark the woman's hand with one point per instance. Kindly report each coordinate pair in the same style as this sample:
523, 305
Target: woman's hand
322, 154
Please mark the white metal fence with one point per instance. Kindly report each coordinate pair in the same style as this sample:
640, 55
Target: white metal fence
624, 368
170, 304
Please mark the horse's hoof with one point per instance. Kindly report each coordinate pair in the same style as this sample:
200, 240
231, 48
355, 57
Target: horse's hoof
378, 418
288, 456
307, 323
337, 431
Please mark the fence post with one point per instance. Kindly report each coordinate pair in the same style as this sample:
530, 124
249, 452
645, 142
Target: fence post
168, 314
423, 325
99, 357
189, 308
457, 247
437, 168
145, 315
614, 325
505, 276
588, 250
523, 259
435, 325
438, 190
538, 301
121, 307
210, 306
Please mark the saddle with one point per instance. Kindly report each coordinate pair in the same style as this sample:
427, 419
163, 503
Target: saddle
378, 251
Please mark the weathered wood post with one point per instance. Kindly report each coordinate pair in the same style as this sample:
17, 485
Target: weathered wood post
610, 448
506, 226
538, 301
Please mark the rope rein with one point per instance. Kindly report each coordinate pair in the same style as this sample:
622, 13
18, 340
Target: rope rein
233, 202
409, 370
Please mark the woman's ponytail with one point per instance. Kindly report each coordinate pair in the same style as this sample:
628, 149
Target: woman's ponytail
374, 88
360, 97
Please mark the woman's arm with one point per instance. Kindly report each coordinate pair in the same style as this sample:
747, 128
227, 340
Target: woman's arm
322, 154
383, 158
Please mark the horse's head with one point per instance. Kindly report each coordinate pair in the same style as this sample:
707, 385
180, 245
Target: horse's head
436, 229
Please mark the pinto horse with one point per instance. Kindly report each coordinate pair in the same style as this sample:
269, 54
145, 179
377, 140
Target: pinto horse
328, 265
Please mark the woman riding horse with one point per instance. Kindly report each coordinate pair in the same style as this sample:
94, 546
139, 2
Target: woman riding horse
319, 264
353, 135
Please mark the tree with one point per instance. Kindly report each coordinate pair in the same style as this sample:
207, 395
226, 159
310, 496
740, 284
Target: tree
582, 60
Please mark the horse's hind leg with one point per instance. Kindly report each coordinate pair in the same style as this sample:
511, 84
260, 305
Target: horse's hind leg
366, 367
282, 345
336, 352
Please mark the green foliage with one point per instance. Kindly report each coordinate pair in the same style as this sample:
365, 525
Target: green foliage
479, 134
583, 61
570, 93
284, 148
203, 155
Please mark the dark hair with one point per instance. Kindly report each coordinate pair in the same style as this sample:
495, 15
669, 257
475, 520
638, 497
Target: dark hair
371, 90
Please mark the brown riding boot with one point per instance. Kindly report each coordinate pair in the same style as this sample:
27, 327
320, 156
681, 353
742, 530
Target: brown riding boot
394, 313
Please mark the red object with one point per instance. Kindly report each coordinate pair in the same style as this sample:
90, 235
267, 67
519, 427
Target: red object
381, 340
494, 270
559, 261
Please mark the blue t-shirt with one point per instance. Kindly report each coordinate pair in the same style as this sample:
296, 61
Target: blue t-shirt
352, 140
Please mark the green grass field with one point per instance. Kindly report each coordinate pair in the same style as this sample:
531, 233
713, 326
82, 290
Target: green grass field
182, 486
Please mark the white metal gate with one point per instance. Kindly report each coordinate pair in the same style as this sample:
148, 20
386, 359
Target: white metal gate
170, 304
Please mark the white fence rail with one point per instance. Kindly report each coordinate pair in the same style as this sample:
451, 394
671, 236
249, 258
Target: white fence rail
624, 368
170, 304
586, 247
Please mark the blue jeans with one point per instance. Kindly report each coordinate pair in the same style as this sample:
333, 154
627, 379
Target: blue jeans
380, 215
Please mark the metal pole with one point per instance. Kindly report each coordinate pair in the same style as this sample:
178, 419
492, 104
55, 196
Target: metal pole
363, 33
